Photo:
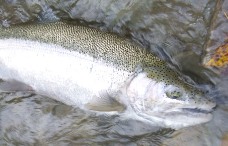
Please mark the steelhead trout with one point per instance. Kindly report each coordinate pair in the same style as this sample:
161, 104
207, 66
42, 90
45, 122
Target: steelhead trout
97, 71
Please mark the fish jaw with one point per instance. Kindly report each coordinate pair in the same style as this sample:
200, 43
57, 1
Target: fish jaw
176, 120
149, 100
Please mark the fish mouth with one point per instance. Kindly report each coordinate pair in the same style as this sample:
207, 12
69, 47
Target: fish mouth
200, 109
184, 116
197, 110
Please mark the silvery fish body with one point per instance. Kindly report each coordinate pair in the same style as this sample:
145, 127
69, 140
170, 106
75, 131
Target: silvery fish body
97, 71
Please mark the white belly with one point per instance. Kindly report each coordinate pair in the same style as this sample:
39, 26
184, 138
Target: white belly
54, 71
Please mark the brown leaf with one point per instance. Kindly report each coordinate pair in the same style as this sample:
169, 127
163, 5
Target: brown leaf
220, 57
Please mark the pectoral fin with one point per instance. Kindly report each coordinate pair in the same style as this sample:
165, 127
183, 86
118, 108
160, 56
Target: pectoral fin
104, 103
13, 85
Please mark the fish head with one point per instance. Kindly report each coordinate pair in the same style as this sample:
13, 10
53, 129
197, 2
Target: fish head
159, 94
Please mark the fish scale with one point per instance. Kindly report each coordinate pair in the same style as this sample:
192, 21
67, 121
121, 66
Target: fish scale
118, 51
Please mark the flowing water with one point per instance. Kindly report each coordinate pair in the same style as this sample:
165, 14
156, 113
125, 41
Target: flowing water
176, 30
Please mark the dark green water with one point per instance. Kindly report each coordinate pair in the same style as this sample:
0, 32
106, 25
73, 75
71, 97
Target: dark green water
176, 30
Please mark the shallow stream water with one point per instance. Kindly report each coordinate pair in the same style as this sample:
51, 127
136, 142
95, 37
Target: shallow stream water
178, 31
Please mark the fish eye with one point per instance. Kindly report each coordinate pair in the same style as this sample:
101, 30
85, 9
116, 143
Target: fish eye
173, 94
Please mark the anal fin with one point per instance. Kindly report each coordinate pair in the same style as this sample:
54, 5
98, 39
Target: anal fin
13, 86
